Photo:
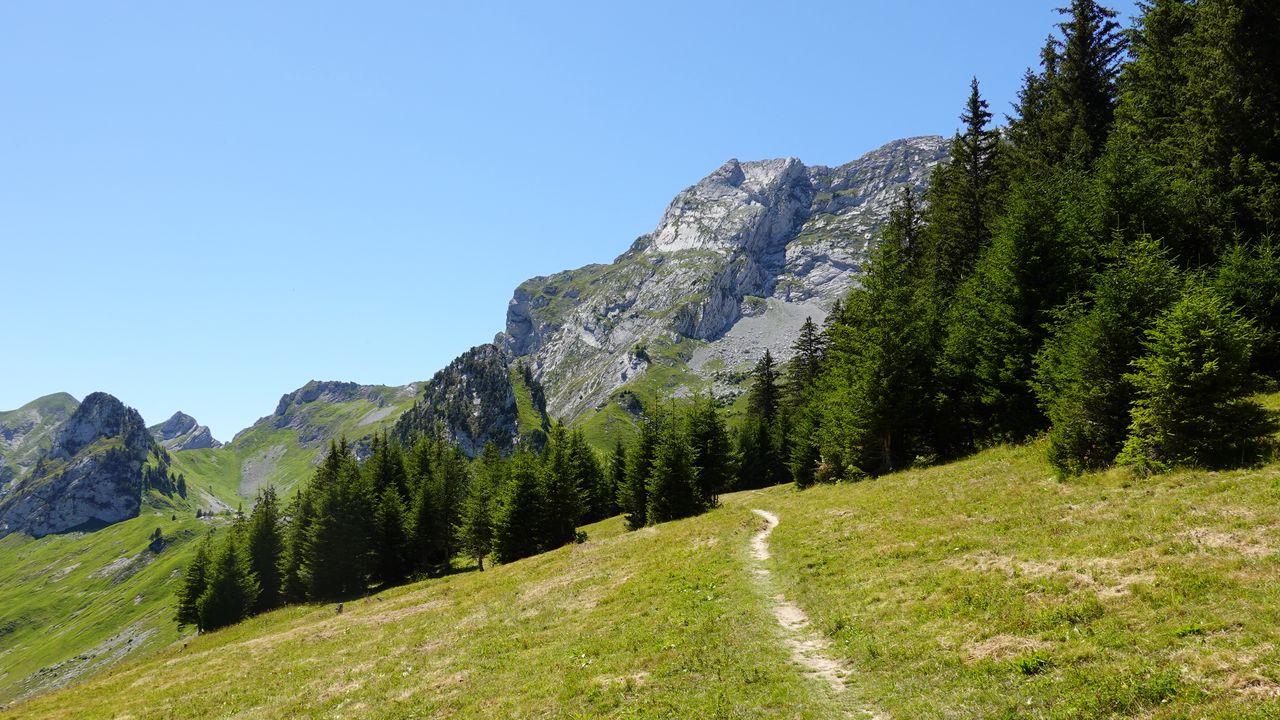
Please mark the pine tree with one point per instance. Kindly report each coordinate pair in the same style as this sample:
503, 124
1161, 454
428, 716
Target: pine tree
1249, 277
761, 460
1192, 404
390, 541
633, 495
599, 496
1081, 374
519, 512
338, 542
673, 480
964, 197
231, 590
265, 546
806, 364
194, 582
617, 473
712, 451
563, 501
476, 531
877, 397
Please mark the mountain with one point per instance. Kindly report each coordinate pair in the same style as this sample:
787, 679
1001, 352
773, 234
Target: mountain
182, 432
482, 396
282, 448
736, 264
90, 476
25, 433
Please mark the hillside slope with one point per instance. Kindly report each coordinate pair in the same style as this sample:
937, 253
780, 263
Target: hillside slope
984, 588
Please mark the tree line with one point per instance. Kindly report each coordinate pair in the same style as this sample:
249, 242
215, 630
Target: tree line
403, 514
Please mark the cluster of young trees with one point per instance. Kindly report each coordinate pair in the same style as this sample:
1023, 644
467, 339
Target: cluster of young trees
676, 467
1101, 270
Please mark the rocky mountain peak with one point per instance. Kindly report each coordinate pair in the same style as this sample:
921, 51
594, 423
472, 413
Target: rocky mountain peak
99, 417
736, 262
182, 432
90, 476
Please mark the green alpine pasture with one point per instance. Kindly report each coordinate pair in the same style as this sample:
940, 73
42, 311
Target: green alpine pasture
982, 588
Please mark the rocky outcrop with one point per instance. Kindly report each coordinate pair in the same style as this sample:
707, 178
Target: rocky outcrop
481, 397
767, 240
182, 432
91, 475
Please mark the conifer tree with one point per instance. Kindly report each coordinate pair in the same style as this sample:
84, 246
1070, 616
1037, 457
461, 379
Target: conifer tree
519, 512
476, 531
761, 459
265, 546
802, 371
231, 589
1082, 372
599, 496
390, 542
194, 582
337, 545
633, 495
1192, 404
673, 480
563, 501
712, 451
617, 472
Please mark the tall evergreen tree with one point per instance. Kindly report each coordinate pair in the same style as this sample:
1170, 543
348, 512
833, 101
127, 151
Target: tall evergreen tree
519, 512
673, 488
194, 583
476, 531
633, 495
761, 458
1082, 372
389, 539
231, 590
712, 451
265, 546
338, 541
563, 503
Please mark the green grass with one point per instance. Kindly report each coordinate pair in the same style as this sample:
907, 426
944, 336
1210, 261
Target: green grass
528, 419
72, 604
987, 588
660, 623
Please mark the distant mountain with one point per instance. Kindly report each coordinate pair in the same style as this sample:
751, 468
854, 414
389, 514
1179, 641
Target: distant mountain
27, 432
89, 476
282, 448
182, 432
736, 264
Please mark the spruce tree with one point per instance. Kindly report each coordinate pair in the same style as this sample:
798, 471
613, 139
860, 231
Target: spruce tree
633, 493
194, 582
476, 531
563, 501
390, 541
1192, 405
337, 546
1082, 373
673, 488
712, 451
265, 546
519, 512
232, 588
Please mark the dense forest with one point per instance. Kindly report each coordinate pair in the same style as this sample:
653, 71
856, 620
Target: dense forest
1099, 269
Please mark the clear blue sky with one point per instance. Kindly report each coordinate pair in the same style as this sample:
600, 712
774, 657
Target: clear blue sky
205, 205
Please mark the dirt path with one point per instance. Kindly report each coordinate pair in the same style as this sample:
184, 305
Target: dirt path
809, 649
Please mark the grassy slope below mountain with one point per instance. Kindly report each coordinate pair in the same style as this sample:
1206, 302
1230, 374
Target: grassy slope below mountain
75, 603
983, 588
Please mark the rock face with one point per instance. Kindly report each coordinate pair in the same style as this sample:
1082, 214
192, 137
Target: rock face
736, 261
481, 397
182, 432
91, 475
